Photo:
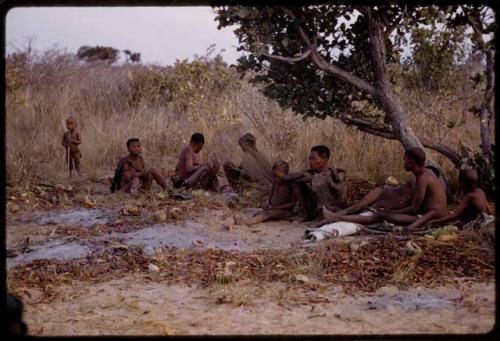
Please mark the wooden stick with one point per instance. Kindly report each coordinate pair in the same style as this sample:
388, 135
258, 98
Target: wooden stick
69, 158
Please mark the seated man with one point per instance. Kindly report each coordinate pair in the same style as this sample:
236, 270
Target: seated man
428, 198
472, 205
254, 167
320, 185
190, 173
132, 167
383, 198
282, 200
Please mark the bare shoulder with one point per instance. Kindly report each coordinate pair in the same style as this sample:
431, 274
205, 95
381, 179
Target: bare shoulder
478, 194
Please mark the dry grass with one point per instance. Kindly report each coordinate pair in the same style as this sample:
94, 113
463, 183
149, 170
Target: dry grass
114, 103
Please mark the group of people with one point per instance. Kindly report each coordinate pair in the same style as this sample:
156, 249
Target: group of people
318, 192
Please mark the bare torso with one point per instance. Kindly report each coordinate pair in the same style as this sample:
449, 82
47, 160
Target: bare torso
477, 205
187, 153
135, 163
282, 194
435, 192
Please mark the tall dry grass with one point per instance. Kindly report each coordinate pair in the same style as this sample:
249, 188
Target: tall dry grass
114, 103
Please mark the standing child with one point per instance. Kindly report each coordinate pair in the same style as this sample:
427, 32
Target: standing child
282, 200
70, 141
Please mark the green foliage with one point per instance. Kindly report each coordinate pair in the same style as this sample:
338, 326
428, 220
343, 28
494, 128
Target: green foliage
302, 86
434, 59
97, 53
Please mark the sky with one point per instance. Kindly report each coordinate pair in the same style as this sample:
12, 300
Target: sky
160, 34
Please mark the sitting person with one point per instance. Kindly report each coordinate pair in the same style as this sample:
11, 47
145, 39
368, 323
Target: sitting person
428, 198
319, 185
282, 200
472, 205
133, 167
382, 198
254, 167
193, 175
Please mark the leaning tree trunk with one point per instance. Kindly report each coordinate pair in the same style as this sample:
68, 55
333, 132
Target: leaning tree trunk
385, 96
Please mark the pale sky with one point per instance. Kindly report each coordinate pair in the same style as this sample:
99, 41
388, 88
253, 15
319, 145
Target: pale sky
160, 34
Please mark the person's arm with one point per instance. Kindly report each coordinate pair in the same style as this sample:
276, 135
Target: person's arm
417, 199
76, 140
459, 210
64, 141
297, 177
142, 172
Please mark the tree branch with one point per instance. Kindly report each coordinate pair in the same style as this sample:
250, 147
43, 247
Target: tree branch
289, 59
386, 132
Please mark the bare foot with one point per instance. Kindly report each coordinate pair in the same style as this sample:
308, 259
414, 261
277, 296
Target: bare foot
329, 215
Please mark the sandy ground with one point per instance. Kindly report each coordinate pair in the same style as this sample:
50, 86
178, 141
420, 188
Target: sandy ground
137, 305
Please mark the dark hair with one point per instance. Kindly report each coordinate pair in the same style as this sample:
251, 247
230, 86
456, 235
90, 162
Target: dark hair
468, 177
15, 309
132, 140
281, 164
197, 138
322, 151
248, 139
416, 154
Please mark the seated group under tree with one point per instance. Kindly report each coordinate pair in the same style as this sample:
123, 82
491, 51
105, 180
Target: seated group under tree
319, 191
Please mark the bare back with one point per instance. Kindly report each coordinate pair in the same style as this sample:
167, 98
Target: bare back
434, 192
476, 204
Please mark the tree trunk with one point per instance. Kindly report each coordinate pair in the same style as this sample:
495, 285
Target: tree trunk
484, 111
385, 95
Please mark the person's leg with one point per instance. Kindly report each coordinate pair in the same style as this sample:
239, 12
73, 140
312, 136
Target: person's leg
155, 175
266, 215
305, 200
420, 222
365, 202
400, 219
71, 162
360, 219
194, 179
76, 160
126, 182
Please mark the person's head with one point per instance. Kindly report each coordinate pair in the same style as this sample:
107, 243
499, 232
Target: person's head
414, 158
71, 123
247, 142
467, 179
318, 158
15, 323
134, 146
280, 169
197, 142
